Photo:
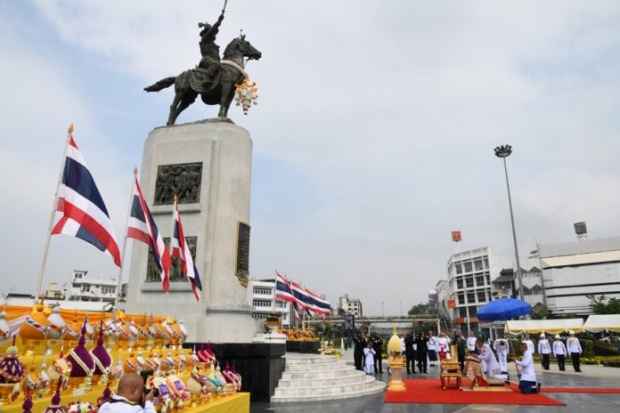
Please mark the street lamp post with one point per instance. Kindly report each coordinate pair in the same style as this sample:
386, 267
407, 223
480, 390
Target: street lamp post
504, 151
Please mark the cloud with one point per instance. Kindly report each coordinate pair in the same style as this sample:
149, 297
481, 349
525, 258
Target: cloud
374, 134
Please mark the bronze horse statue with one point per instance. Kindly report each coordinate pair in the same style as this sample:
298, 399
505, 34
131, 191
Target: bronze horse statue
214, 90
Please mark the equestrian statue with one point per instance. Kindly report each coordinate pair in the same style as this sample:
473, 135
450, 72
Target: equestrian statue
213, 79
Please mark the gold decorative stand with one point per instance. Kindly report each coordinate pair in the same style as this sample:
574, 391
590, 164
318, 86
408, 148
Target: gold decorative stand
394, 348
396, 383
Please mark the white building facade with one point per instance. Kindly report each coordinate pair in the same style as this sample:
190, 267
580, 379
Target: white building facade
264, 302
470, 274
84, 288
349, 306
572, 270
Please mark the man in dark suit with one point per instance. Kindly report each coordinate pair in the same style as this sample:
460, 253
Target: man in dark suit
461, 349
377, 345
421, 352
409, 353
358, 352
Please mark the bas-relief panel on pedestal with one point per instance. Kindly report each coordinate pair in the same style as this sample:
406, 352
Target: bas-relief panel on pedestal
175, 275
182, 180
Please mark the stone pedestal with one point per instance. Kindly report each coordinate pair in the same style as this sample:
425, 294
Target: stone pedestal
260, 364
270, 338
311, 347
212, 162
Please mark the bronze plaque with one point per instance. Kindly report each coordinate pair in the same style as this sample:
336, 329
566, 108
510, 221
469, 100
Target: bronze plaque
243, 253
182, 180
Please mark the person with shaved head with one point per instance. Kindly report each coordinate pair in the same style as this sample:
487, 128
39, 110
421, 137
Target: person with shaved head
130, 397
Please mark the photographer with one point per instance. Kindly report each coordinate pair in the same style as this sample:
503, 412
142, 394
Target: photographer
130, 397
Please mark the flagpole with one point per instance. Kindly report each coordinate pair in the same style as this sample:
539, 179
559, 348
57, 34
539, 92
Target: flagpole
174, 208
53, 214
119, 281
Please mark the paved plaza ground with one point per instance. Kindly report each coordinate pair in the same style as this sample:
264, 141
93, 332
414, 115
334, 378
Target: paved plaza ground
591, 376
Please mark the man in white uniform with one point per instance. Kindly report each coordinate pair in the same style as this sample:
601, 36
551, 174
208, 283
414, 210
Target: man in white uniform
530, 343
574, 349
431, 345
544, 349
527, 376
471, 342
559, 351
502, 347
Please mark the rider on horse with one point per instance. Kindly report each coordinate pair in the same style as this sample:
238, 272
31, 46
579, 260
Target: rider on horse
208, 49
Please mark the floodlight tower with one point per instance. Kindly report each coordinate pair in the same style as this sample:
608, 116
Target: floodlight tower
504, 151
581, 230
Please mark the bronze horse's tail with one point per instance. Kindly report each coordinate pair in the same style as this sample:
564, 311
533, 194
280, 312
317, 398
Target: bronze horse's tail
162, 84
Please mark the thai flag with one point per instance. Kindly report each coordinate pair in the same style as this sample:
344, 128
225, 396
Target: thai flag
141, 227
180, 249
283, 289
297, 312
301, 297
320, 305
84, 214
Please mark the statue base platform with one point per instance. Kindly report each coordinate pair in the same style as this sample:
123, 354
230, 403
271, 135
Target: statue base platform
213, 162
271, 338
303, 346
260, 364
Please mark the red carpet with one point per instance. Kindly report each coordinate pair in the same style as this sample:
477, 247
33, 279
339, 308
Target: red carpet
591, 390
598, 390
430, 392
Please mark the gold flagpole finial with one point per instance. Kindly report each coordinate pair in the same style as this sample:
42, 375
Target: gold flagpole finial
71, 128
135, 171
174, 198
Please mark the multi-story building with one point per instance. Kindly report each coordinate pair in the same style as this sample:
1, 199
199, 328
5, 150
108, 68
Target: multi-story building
84, 293
433, 302
532, 281
349, 306
264, 302
443, 297
54, 293
572, 270
84, 288
469, 284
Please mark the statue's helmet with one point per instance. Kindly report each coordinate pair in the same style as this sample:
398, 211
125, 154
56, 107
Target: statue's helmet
205, 27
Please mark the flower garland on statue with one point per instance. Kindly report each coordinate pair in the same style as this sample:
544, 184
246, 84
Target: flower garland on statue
246, 94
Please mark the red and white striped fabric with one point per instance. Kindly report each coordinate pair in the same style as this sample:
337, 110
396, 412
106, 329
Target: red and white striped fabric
180, 249
141, 227
84, 214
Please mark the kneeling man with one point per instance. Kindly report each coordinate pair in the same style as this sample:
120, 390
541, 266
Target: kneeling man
527, 376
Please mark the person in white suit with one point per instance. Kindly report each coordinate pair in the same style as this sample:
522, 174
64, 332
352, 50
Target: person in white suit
491, 366
502, 347
544, 349
574, 349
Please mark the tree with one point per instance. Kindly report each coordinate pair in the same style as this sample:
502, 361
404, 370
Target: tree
540, 312
599, 306
422, 308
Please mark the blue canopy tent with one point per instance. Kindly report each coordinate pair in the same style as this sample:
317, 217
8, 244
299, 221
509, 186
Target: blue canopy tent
503, 309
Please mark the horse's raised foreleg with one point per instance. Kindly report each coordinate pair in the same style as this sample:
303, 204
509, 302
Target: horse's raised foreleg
226, 99
172, 116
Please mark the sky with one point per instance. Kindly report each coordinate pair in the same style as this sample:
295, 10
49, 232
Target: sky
373, 136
